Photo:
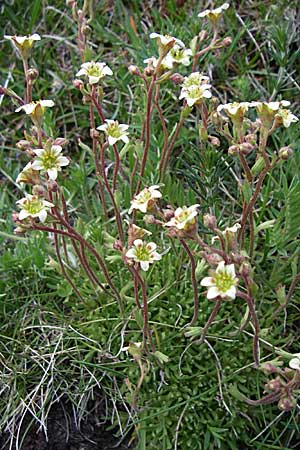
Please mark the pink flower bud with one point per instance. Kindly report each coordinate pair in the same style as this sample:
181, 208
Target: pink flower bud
78, 84
176, 78
134, 70
39, 190
210, 221
52, 186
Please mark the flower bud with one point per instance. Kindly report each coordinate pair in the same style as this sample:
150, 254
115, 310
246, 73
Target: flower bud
86, 30
285, 153
23, 145
251, 138
246, 148
52, 186
20, 231
287, 403
60, 141
211, 258
78, 84
39, 190
15, 217
176, 78
245, 269
94, 134
214, 140
149, 219
226, 41
237, 259
134, 70
168, 214
273, 385
210, 221
32, 75
70, 3
117, 245
148, 71
233, 150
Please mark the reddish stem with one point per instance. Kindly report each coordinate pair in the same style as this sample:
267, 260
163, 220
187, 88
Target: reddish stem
194, 282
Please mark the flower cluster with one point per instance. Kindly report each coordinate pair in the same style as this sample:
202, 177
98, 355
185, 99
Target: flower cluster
184, 218
173, 50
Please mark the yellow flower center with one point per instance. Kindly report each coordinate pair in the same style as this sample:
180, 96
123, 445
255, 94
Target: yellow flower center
224, 281
142, 253
33, 206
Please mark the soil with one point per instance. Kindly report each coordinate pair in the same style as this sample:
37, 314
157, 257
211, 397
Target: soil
63, 432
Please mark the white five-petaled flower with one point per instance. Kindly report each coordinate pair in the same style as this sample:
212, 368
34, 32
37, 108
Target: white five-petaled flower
33, 206
143, 253
115, 131
195, 94
214, 14
285, 117
235, 109
49, 160
269, 107
166, 64
24, 43
184, 217
28, 175
145, 199
94, 71
195, 79
36, 110
166, 39
222, 283
178, 55
295, 362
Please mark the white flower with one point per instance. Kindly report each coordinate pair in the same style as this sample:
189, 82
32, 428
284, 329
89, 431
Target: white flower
285, 117
270, 107
295, 362
33, 206
94, 71
234, 229
214, 14
143, 253
195, 94
166, 64
222, 283
178, 55
166, 39
28, 175
36, 110
115, 131
145, 198
195, 79
49, 160
183, 217
235, 109
24, 43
